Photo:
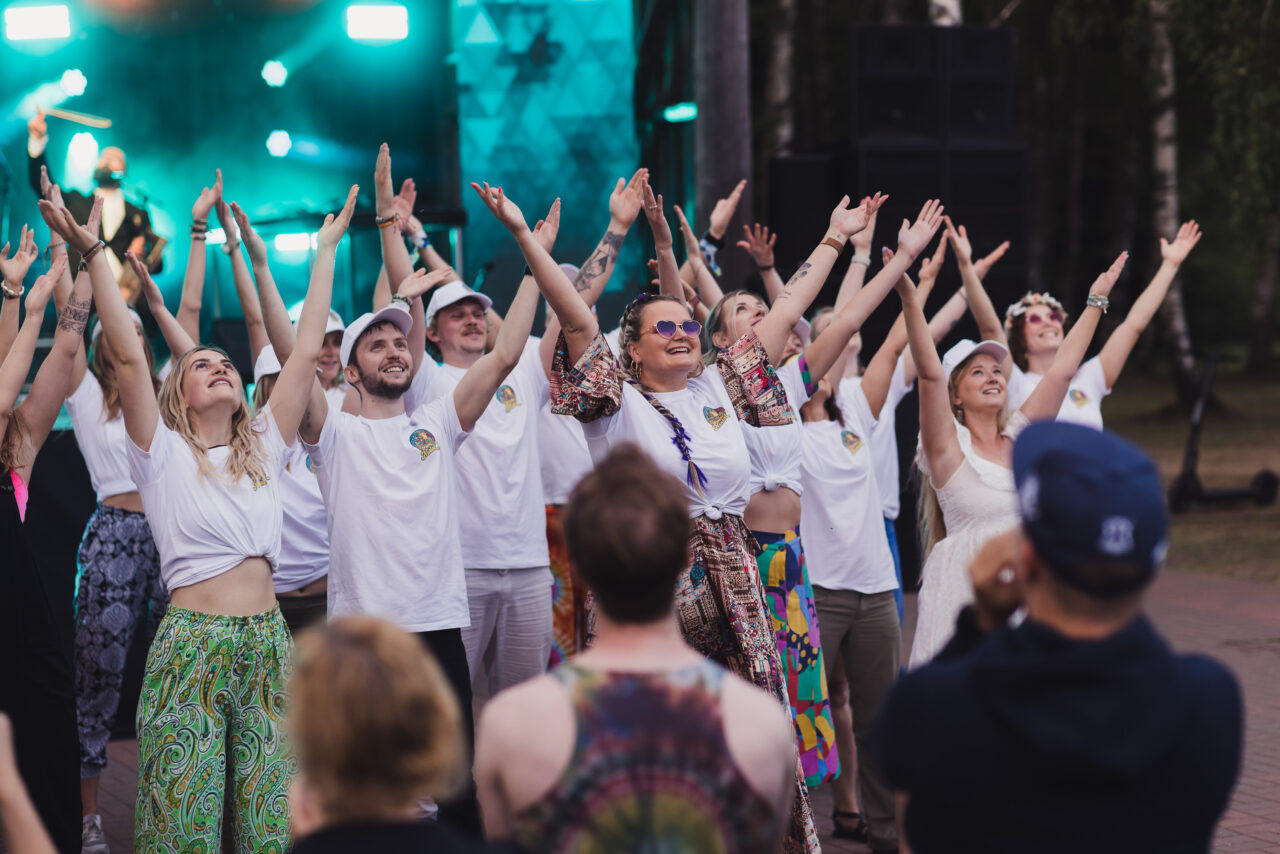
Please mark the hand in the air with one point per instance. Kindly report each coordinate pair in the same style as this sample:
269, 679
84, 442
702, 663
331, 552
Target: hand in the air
1104, 283
208, 197
501, 207
1177, 251
722, 212
546, 230
759, 244
38, 296
849, 221
37, 126
627, 198
336, 226
657, 221
253, 243
983, 265
914, 237
14, 270
420, 281
60, 220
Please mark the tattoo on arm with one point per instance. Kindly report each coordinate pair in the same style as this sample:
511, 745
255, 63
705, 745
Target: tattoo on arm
599, 261
800, 274
75, 315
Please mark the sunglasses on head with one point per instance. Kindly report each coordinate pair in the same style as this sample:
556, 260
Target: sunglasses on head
1055, 316
667, 328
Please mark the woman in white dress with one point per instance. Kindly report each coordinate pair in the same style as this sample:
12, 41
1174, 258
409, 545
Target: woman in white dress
967, 493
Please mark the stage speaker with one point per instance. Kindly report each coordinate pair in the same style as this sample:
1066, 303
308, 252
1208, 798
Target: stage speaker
980, 78
803, 188
896, 83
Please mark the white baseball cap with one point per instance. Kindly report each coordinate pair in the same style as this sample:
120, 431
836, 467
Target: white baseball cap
333, 324
266, 364
97, 327
393, 313
803, 328
966, 348
449, 293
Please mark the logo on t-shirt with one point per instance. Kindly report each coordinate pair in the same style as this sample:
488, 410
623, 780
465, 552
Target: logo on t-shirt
1078, 397
715, 417
424, 442
311, 467
259, 481
507, 397
851, 440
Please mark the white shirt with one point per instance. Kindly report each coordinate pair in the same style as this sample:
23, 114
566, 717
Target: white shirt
336, 396
202, 525
503, 520
845, 546
563, 456
884, 438
103, 443
304, 536
775, 451
389, 488
1083, 403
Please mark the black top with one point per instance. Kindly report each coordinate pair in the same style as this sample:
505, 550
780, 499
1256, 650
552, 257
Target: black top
1026, 740
394, 838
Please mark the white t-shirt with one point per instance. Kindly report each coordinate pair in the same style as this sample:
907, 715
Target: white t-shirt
775, 451
1083, 403
336, 396
202, 525
611, 338
563, 455
103, 443
503, 520
304, 536
845, 546
884, 438
389, 487
715, 439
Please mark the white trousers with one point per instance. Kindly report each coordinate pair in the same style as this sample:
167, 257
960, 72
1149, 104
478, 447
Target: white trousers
509, 639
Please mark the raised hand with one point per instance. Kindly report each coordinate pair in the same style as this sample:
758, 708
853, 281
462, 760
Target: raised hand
150, 289
336, 226
1104, 283
691, 249
227, 220
501, 207
546, 230
253, 242
983, 265
384, 190
94, 222
932, 266
759, 244
627, 198
38, 296
208, 197
722, 212
423, 280
37, 126
657, 221
404, 201
863, 239
849, 221
14, 270
1177, 251
59, 219
959, 240
46, 183
914, 237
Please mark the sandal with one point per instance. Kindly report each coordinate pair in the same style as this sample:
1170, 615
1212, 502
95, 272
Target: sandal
854, 826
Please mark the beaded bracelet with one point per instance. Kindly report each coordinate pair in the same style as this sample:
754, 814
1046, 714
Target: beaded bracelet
384, 221
1098, 301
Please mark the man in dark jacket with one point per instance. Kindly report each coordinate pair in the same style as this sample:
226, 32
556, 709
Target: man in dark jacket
1078, 730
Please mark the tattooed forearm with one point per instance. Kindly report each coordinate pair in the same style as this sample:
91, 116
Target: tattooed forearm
75, 315
605, 254
799, 274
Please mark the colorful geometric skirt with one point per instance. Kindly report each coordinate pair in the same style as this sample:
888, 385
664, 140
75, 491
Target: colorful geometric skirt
789, 598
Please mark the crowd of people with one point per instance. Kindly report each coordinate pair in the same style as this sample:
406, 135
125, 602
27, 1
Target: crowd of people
597, 536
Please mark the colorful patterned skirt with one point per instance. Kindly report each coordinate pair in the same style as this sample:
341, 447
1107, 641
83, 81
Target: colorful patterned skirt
568, 627
789, 598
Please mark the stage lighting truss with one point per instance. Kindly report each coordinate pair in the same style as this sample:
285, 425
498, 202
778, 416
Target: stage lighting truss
37, 22
377, 23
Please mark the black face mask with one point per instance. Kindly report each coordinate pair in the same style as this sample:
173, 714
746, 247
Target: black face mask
107, 179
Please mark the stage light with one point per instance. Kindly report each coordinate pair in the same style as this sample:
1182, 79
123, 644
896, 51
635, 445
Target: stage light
279, 143
82, 156
36, 22
297, 241
384, 23
685, 111
215, 237
73, 82
275, 73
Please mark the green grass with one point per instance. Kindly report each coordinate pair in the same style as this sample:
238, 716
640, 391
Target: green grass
1241, 437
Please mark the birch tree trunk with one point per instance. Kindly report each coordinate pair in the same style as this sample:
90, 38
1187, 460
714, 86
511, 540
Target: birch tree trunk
945, 13
780, 79
1262, 305
1173, 315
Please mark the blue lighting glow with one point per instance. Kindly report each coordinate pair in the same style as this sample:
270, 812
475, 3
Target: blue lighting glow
279, 143
36, 22
275, 73
82, 156
686, 111
298, 241
380, 23
73, 82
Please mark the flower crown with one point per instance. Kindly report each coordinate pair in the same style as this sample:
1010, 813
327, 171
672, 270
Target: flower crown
1029, 299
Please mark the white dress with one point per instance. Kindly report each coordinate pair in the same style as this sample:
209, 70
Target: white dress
978, 502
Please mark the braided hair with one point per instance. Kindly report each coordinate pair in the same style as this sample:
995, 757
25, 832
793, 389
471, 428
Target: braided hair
630, 330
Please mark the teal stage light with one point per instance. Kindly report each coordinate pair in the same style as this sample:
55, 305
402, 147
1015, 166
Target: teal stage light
275, 73
36, 22
298, 241
82, 156
215, 237
73, 82
686, 111
382, 23
279, 143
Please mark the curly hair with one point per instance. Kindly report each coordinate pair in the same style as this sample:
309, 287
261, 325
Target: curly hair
247, 453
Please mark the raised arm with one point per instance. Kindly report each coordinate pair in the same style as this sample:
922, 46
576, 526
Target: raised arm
859, 264
395, 257
1045, 401
718, 223
13, 272
297, 401
245, 291
706, 290
758, 243
663, 244
990, 327
193, 279
176, 337
879, 374
17, 359
1121, 343
624, 206
478, 385
275, 317
137, 394
575, 316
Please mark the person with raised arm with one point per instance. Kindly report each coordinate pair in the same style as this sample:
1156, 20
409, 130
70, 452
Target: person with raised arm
688, 416
13, 274
1034, 326
209, 475
966, 433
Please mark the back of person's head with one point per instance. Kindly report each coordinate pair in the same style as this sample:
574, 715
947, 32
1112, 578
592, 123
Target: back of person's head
627, 526
372, 719
1093, 509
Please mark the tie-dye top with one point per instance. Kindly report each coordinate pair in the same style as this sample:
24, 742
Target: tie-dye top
650, 772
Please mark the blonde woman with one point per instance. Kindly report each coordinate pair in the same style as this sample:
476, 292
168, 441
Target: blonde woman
213, 690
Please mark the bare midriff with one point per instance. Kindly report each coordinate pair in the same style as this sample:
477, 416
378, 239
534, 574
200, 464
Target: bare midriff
774, 511
131, 501
242, 591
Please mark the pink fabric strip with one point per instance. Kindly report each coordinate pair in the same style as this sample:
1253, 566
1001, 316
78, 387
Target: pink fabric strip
19, 494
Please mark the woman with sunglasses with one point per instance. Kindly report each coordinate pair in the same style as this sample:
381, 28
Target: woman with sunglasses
1034, 327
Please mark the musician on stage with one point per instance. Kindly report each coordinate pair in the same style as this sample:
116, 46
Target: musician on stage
124, 225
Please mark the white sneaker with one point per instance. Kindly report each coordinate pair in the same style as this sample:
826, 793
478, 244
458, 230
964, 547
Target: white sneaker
92, 840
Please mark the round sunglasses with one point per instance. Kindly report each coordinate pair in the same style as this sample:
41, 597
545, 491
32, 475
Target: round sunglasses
1055, 316
667, 328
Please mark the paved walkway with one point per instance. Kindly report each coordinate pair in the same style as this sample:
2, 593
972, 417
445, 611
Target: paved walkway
1238, 622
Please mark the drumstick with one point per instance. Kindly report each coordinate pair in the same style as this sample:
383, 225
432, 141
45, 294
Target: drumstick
79, 118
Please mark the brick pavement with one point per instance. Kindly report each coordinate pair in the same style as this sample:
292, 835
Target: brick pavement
1237, 622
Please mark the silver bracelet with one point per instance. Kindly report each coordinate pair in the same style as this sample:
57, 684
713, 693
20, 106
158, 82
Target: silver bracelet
864, 260
1098, 301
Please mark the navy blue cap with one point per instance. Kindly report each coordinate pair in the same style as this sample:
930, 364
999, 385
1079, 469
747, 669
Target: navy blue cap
1090, 501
